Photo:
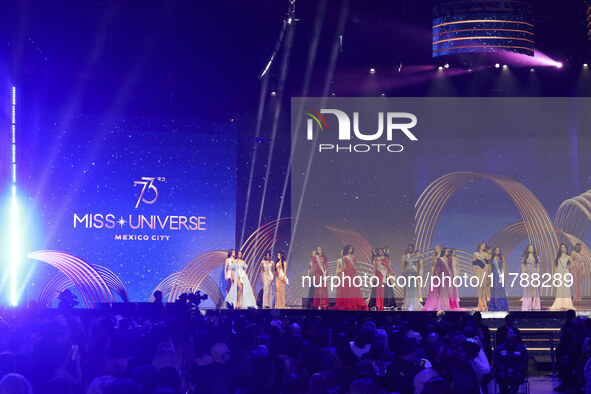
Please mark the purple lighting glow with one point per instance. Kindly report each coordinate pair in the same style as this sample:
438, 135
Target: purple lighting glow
539, 59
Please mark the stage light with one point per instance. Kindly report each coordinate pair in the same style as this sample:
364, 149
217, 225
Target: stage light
531, 70
383, 94
585, 65
14, 248
273, 93
446, 65
372, 70
559, 65
497, 65
14, 254
505, 67
440, 68
333, 94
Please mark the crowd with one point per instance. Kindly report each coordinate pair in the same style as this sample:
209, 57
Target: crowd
254, 351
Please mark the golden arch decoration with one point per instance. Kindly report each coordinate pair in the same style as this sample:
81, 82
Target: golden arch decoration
515, 233
538, 225
574, 215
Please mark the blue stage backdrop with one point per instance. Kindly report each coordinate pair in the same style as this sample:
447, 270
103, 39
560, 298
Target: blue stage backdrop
140, 197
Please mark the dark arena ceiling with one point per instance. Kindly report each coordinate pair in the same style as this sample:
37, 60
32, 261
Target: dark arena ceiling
204, 58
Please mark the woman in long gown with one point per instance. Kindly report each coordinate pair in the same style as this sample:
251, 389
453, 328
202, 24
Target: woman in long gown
481, 268
281, 281
456, 268
239, 284
241, 295
530, 265
351, 295
381, 269
228, 277
310, 274
577, 269
444, 296
267, 277
436, 253
383, 294
339, 271
320, 272
498, 292
562, 263
389, 298
411, 266
372, 304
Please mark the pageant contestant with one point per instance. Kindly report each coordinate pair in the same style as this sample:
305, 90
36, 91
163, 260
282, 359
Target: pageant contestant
411, 266
454, 301
372, 305
456, 268
562, 263
241, 295
339, 271
227, 273
237, 280
488, 257
320, 271
434, 256
577, 269
481, 268
381, 269
442, 297
351, 298
530, 265
498, 292
281, 274
310, 274
389, 299
267, 277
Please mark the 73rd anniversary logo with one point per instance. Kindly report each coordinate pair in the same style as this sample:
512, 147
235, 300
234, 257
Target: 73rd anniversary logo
148, 195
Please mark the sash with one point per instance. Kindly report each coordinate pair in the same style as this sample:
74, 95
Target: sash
319, 262
409, 263
268, 267
351, 262
382, 270
480, 261
562, 264
577, 259
408, 259
499, 271
444, 260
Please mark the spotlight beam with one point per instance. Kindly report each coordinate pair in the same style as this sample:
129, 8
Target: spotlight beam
312, 52
331, 66
277, 113
15, 252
